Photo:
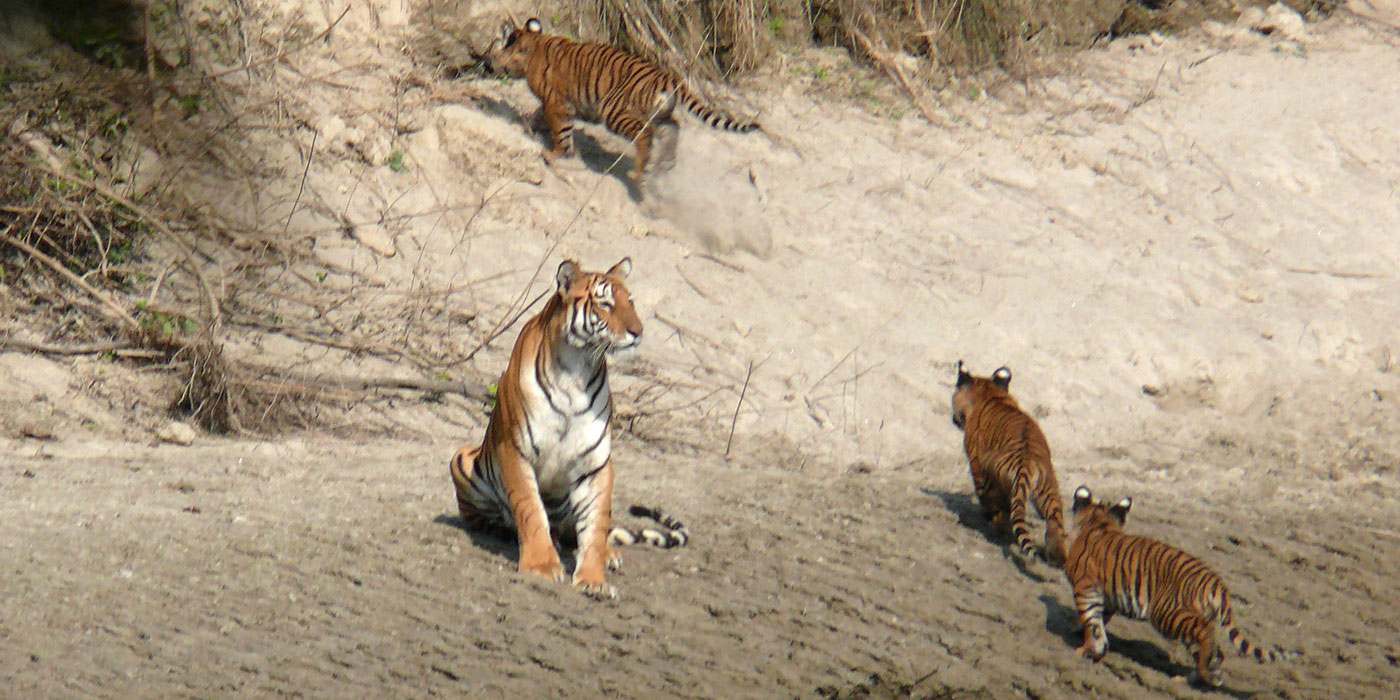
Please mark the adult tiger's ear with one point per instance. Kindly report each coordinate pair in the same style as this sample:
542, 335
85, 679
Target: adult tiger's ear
1082, 498
533, 25
564, 278
1002, 377
1120, 511
622, 269
963, 377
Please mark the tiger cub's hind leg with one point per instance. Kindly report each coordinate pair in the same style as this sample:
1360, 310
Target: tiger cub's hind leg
993, 503
666, 139
1209, 658
1088, 600
1047, 504
639, 132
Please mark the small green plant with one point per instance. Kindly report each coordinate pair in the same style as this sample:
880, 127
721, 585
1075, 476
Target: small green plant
82, 169
165, 324
321, 275
395, 161
120, 253
775, 25
974, 92
116, 127
821, 73
191, 105
58, 185
443, 375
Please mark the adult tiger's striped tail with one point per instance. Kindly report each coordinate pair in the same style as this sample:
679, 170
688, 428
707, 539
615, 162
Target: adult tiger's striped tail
671, 533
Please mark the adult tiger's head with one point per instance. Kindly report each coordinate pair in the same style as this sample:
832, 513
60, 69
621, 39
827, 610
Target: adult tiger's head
598, 308
510, 52
971, 391
1089, 513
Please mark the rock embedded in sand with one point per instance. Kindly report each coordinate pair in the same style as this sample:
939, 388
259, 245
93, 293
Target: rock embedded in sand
177, 433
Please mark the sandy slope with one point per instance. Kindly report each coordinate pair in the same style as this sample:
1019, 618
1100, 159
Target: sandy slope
1184, 249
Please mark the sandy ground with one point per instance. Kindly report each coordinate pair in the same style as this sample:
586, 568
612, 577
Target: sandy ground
1184, 248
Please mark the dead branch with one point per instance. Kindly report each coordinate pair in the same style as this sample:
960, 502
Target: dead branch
34, 253
286, 52
117, 348
44, 150
354, 383
882, 57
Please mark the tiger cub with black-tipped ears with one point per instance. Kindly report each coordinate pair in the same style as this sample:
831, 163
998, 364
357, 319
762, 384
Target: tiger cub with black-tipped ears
546, 461
1114, 572
1010, 461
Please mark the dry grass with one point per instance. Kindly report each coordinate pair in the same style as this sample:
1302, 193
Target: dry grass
98, 256
722, 37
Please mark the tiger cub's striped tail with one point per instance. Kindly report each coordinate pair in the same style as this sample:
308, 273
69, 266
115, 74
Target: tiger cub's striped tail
711, 117
671, 533
1020, 491
1247, 648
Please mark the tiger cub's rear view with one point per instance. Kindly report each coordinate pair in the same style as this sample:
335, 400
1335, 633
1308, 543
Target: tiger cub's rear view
1010, 461
599, 83
1114, 572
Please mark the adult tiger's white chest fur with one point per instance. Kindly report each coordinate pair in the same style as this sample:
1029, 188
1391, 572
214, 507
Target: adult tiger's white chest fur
569, 407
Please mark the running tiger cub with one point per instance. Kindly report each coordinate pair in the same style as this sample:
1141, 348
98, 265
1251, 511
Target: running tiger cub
547, 454
1010, 461
599, 83
1112, 571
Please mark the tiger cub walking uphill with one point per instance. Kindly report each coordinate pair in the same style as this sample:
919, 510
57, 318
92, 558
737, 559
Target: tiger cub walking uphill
599, 83
547, 455
1112, 572
1010, 461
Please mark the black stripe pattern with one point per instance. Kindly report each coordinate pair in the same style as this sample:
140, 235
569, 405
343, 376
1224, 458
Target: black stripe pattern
1114, 572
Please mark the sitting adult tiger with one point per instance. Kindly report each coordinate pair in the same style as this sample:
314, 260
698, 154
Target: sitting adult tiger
547, 454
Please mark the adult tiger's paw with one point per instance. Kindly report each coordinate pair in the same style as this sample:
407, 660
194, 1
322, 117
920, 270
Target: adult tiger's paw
551, 570
614, 560
596, 590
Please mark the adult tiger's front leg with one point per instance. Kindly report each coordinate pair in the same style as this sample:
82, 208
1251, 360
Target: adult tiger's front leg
591, 500
537, 553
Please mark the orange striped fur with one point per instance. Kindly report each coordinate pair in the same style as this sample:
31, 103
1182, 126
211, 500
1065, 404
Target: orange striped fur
629, 95
1114, 572
546, 461
1010, 461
